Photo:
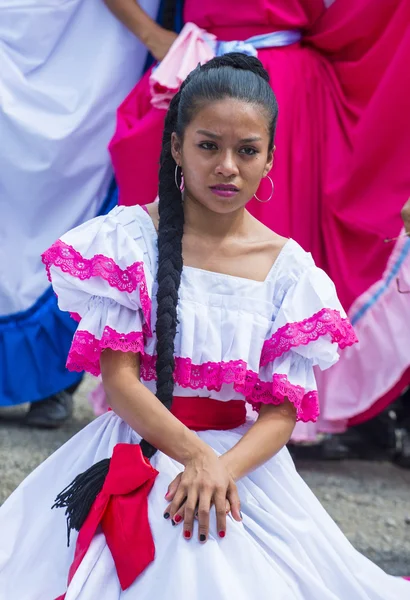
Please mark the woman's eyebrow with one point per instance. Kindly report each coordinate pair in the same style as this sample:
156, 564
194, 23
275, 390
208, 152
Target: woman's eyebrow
218, 137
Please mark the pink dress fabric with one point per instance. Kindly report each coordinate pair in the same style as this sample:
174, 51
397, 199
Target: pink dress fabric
341, 166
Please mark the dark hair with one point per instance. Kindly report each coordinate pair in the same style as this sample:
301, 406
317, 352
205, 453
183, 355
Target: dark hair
232, 75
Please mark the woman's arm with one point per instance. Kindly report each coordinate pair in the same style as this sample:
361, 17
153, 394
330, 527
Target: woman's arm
270, 433
157, 39
143, 412
205, 479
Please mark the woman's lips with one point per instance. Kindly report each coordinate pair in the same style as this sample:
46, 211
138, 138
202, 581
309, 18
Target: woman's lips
224, 191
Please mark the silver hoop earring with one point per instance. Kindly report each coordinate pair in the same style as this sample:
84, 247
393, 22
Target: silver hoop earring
271, 194
180, 186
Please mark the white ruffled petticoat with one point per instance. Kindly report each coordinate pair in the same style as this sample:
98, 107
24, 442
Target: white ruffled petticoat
287, 548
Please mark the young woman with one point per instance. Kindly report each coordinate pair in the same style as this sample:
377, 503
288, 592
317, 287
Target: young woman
190, 312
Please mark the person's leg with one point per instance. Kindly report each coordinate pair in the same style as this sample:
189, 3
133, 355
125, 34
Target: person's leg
385, 437
373, 440
402, 455
52, 412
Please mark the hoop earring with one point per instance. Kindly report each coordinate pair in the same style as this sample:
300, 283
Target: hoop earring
271, 194
181, 186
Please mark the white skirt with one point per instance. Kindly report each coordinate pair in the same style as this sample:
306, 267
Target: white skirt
286, 548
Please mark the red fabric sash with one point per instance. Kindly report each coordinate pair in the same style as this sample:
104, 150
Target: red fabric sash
121, 508
200, 414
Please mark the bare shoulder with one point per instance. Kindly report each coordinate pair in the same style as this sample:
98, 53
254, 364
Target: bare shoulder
153, 213
272, 242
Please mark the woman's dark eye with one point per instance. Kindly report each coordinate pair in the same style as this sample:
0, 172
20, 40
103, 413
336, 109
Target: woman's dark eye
248, 151
207, 145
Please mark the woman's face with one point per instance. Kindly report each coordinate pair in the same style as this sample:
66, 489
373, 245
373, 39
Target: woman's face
224, 154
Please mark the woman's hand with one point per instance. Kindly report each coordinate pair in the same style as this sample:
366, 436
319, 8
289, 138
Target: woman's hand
173, 486
204, 482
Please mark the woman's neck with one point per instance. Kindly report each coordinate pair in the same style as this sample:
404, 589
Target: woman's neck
201, 221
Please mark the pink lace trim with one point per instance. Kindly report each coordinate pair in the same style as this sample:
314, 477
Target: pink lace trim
125, 280
86, 349
213, 376
325, 322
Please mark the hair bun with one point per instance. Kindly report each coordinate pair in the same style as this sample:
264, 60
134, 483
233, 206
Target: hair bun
240, 61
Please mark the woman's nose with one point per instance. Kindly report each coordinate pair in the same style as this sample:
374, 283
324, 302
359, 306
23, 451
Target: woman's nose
227, 165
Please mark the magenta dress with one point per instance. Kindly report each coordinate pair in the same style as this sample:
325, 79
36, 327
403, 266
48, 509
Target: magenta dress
341, 166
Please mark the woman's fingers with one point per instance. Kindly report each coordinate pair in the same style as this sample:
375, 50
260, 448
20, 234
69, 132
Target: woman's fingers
172, 488
173, 508
192, 494
189, 513
235, 503
220, 502
180, 514
204, 506
227, 508
187, 510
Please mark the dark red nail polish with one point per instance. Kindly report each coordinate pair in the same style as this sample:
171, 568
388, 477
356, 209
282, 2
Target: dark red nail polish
177, 518
187, 534
221, 534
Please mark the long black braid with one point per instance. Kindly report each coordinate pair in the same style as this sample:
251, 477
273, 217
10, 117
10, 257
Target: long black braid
232, 75
170, 231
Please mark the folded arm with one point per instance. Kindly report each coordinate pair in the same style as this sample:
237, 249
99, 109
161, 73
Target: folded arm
142, 410
157, 39
270, 433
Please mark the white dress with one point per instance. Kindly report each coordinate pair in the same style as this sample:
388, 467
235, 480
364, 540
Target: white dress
236, 339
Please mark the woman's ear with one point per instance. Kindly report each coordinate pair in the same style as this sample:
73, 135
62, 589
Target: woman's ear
176, 149
269, 162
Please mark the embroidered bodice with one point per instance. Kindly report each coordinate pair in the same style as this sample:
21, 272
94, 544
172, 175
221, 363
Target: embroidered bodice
236, 338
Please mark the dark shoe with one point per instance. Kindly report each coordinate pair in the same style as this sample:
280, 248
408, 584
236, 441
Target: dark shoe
402, 408
50, 413
329, 448
402, 455
373, 440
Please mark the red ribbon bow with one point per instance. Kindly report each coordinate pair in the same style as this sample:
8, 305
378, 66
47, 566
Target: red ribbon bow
122, 510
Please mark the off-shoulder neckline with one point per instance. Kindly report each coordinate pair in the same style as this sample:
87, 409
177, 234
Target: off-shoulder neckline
289, 243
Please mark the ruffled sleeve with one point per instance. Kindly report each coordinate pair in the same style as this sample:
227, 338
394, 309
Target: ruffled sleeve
308, 330
100, 273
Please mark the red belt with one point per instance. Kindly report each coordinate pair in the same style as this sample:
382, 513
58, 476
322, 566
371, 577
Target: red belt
200, 414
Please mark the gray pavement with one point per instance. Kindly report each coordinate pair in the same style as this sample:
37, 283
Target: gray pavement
369, 501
